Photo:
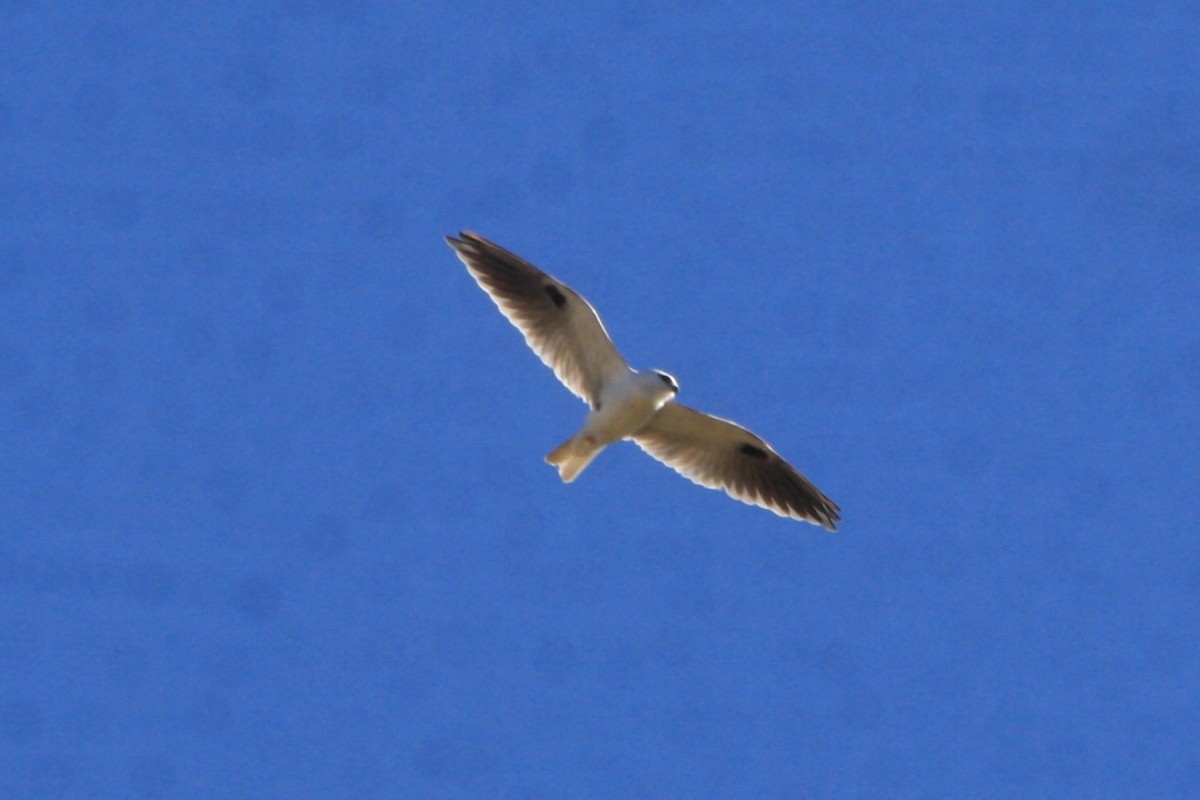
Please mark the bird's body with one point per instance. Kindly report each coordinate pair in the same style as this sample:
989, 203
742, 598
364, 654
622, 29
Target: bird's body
566, 333
624, 407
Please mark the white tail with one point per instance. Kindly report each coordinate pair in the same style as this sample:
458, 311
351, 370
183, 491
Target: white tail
573, 455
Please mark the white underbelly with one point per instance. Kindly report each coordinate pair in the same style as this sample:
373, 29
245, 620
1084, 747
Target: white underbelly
622, 414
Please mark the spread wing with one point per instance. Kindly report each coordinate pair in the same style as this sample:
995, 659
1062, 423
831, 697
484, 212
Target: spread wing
556, 322
720, 454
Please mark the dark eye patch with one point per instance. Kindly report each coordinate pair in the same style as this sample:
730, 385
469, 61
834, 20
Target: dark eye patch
555, 295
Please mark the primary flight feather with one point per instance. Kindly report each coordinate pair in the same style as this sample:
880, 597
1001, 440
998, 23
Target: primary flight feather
567, 334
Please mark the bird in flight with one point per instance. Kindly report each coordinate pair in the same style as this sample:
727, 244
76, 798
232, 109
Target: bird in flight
566, 333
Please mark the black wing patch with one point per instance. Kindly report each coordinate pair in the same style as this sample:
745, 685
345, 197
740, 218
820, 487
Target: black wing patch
752, 451
557, 297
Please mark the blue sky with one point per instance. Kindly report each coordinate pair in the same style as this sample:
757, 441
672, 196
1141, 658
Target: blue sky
276, 518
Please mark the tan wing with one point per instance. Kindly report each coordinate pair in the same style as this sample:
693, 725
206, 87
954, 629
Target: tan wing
557, 323
720, 454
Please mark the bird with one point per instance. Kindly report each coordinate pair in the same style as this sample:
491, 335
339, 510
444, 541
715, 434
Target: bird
563, 329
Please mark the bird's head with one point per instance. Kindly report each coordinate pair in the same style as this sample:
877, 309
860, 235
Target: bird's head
669, 380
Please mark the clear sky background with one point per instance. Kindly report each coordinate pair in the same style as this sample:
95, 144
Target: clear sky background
275, 521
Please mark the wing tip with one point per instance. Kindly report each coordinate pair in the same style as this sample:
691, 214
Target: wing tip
464, 239
469, 244
828, 522
824, 513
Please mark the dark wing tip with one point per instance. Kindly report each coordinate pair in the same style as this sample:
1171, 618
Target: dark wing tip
828, 516
469, 243
464, 239
811, 504
794, 495
801, 499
